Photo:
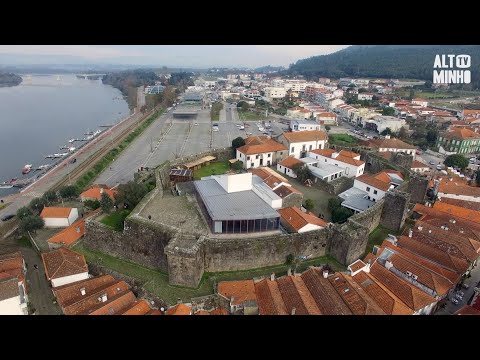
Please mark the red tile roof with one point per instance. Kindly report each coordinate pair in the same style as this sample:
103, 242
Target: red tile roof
418, 165
471, 205
380, 181
269, 299
302, 136
259, 145
461, 134
290, 162
356, 265
467, 310
70, 234
179, 309
307, 298
326, 114
219, 311
297, 219
12, 265
283, 191
95, 192
290, 296
71, 293
139, 307
116, 306
55, 212
391, 143
457, 211
324, 152
63, 262
240, 291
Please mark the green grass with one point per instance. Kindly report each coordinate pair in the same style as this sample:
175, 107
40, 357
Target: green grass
115, 219
250, 115
215, 168
24, 241
4, 205
103, 163
156, 282
342, 139
377, 236
215, 111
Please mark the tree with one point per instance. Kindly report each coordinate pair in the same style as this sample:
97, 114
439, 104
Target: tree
327, 127
412, 94
23, 212
303, 172
92, 204
362, 90
130, 193
341, 214
309, 204
237, 165
402, 133
456, 160
106, 202
387, 131
388, 111
334, 203
31, 223
432, 135
242, 106
477, 177
237, 142
69, 191
37, 205
50, 196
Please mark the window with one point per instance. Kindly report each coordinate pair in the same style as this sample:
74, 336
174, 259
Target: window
375, 192
256, 156
281, 153
293, 149
269, 155
325, 160
310, 148
368, 189
251, 165
248, 157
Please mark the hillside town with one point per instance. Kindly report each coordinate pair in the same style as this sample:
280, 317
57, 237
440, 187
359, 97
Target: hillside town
263, 194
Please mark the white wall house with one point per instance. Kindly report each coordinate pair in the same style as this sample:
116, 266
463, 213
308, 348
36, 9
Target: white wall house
59, 217
301, 142
274, 93
349, 161
304, 125
286, 166
260, 151
13, 300
64, 266
420, 102
69, 279
333, 103
374, 193
327, 118
365, 96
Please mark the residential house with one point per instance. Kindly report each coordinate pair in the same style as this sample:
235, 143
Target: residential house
59, 216
304, 125
420, 102
333, 103
379, 123
96, 191
347, 160
299, 113
367, 189
179, 309
299, 143
392, 145
470, 113
13, 290
296, 221
458, 189
365, 96
327, 118
261, 151
274, 93
419, 167
459, 141
323, 171
238, 293
64, 266
286, 166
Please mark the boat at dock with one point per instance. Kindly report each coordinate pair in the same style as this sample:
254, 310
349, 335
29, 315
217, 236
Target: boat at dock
43, 167
26, 169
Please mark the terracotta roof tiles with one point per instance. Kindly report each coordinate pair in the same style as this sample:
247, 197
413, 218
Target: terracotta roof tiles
391, 143
290, 162
297, 219
95, 192
290, 296
303, 136
241, 291
71, 293
179, 309
259, 145
55, 212
63, 262
116, 306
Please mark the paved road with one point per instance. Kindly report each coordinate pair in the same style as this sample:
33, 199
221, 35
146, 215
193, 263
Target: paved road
473, 281
40, 186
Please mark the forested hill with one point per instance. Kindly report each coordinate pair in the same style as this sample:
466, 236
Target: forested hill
128, 81
9, 79
384, 61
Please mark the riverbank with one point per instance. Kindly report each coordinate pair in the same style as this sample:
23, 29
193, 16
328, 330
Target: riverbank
9, 79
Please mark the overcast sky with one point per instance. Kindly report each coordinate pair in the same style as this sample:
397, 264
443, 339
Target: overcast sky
163, 55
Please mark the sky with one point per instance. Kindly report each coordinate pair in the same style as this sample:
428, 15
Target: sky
163, 55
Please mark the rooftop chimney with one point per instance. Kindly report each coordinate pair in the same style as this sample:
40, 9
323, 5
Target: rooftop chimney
294, 310
272, 277
388, 264
104, 297
410, 232
101, 190
325, 274
387, 136
420, 228
82, 291
289, 271
77, 229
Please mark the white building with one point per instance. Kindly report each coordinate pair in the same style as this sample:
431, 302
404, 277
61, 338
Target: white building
365, 96
419, 167
64, 266
295, 85
58, 216
301, 142
420, 102
286, 166
299, 113
304, 125
392, 145
13, 292
347, 160
274, 93
380, 123
261, 151
368, 189
323, 171
345, 111
296, 221
333, 103
327, 118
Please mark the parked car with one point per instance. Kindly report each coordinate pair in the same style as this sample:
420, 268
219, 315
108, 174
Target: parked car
8, 217
439, 167
465, 286
196, 124
431, 162
455, 301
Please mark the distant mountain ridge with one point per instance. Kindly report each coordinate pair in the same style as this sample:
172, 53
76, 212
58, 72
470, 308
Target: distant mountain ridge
384, 61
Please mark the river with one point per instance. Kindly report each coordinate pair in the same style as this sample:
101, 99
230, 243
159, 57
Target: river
44, 112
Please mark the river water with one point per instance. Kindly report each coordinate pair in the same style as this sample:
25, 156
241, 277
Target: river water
44, 112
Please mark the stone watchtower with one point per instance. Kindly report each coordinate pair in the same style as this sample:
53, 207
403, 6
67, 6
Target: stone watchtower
395, 210
417, 187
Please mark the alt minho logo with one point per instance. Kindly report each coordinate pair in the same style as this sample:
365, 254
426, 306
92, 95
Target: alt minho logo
453, 72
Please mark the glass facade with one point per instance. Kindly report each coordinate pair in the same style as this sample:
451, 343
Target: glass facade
244, 226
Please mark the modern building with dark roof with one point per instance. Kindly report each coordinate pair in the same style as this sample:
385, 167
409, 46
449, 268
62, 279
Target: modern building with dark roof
234, 204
